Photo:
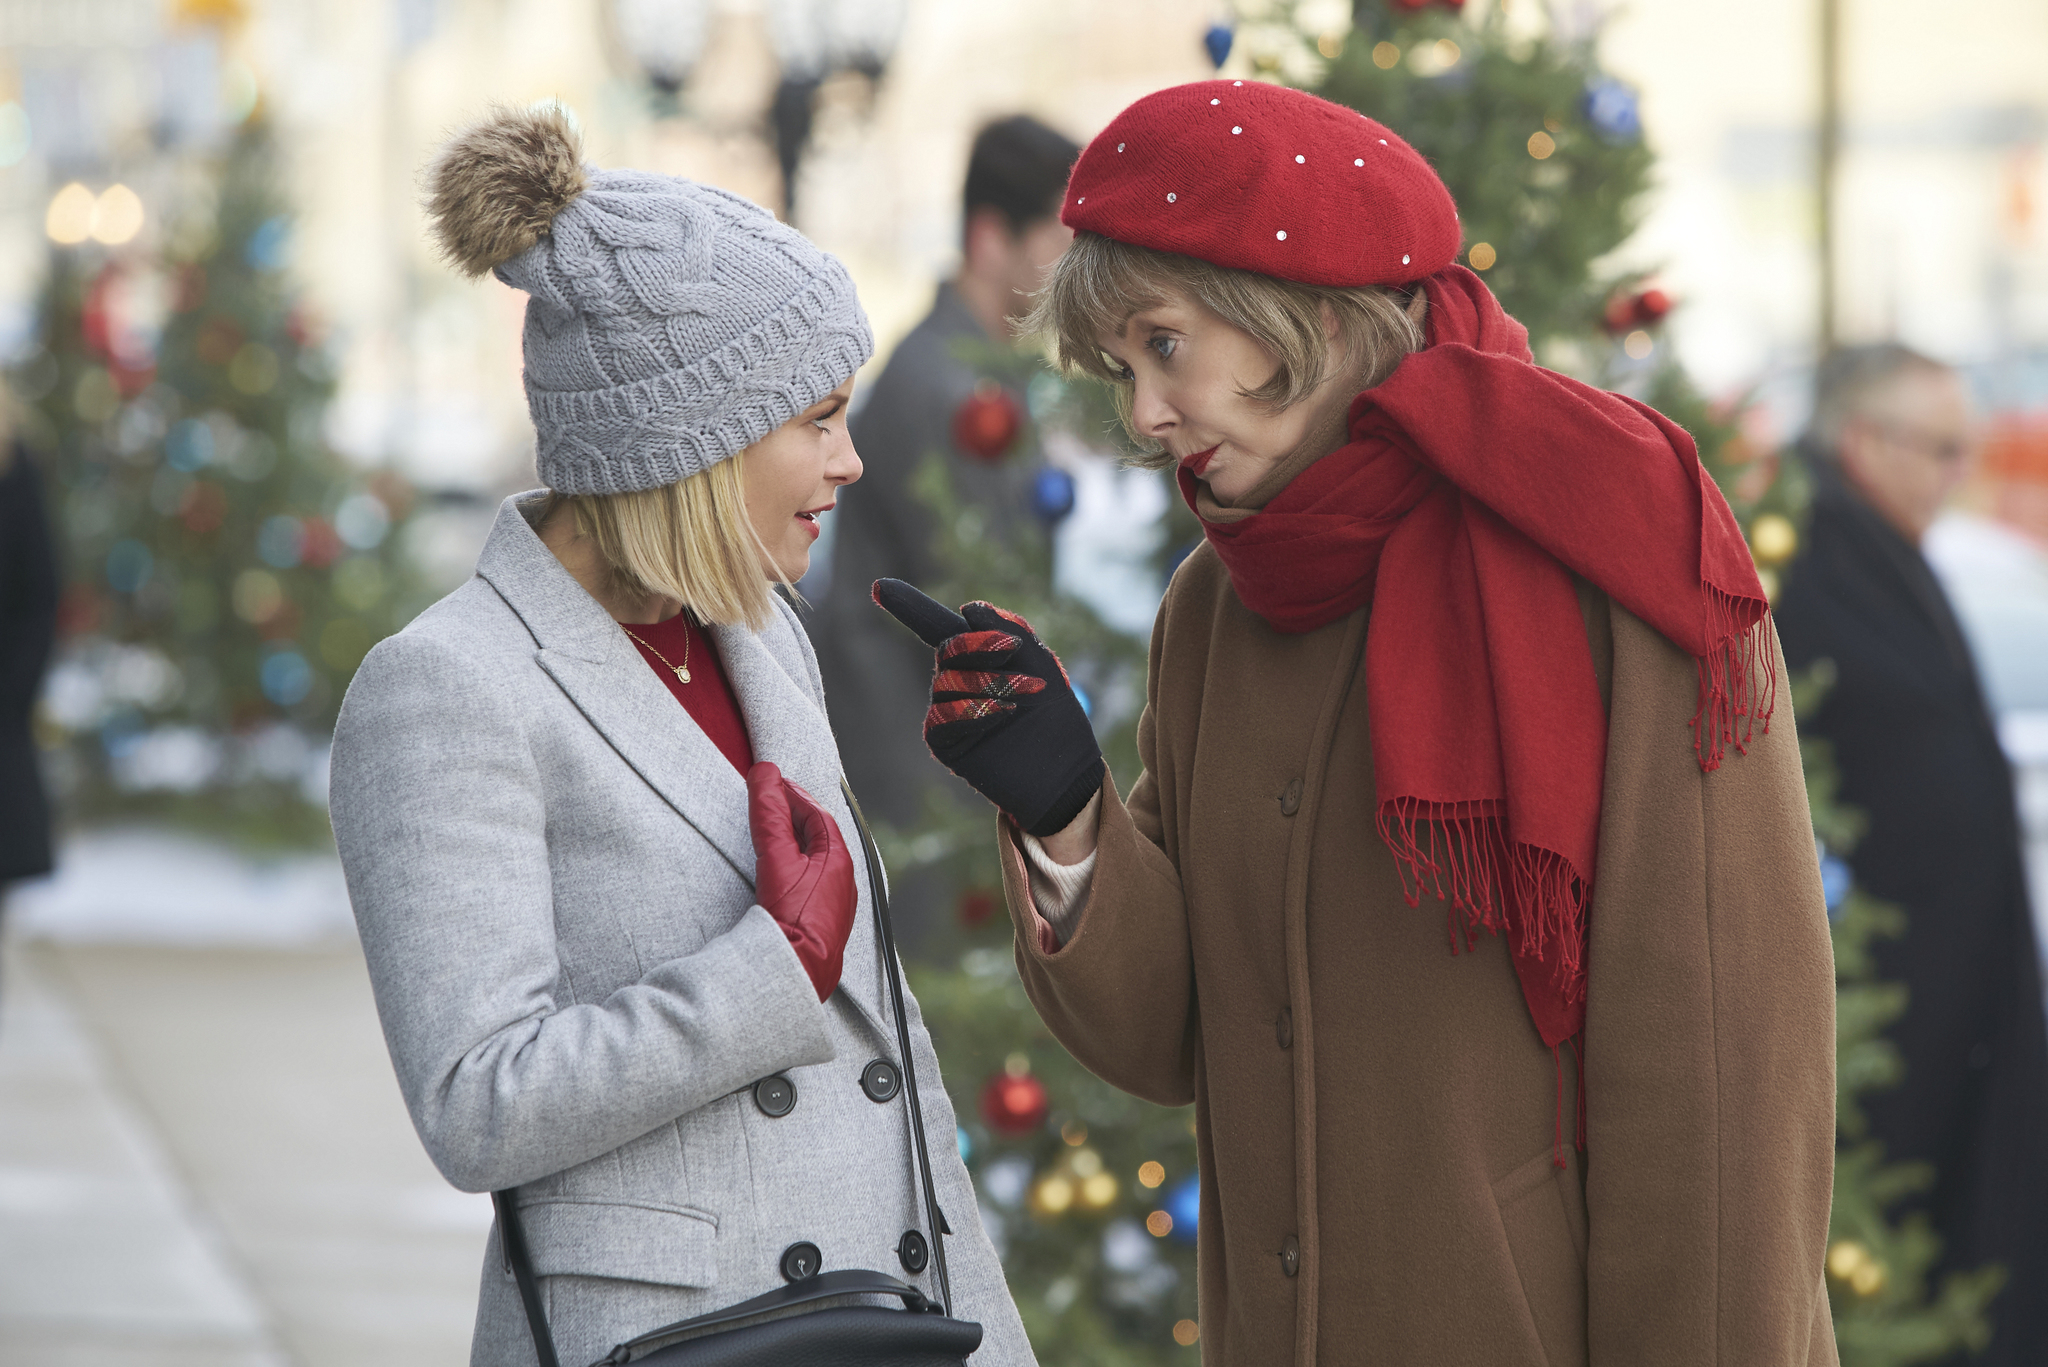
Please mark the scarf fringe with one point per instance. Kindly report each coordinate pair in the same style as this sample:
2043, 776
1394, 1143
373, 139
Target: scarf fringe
1457, 851
1738, 678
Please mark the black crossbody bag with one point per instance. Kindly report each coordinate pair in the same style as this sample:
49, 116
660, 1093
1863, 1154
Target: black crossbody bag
922, 1334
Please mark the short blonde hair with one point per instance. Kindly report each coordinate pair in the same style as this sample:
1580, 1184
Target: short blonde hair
1101, 282
691, 541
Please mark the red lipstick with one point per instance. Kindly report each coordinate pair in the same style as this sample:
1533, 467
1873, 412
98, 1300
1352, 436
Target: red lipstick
1199, 461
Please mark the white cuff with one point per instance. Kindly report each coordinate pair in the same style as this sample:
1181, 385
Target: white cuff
1060, 891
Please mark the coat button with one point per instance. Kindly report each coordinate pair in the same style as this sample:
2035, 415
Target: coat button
1290, 798
1283, 1028
880, 1080
776, 1096
913, 1252
800, 1261
1290, 1256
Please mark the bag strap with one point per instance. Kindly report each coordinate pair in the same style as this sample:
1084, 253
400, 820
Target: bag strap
512, 1232
885, 932
512, 1239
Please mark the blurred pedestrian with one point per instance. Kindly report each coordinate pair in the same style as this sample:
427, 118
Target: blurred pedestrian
28, 625
1010, 235
1441, 642
627, 967
1919, 755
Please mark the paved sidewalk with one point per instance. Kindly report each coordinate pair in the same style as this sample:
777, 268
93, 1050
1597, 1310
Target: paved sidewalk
204, 1162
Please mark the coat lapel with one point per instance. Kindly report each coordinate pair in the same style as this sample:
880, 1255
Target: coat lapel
589, 657
788, 728
587, 654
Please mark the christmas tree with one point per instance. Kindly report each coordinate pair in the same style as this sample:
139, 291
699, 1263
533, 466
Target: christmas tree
226, 571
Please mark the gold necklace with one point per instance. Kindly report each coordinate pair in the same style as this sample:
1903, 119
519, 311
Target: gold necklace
682, 671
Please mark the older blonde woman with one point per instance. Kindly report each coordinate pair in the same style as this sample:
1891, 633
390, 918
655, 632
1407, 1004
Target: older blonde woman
1460, 629
590, 810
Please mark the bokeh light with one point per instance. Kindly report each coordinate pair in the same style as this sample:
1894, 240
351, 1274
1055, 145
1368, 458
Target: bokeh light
116, 216
1541, 144
69, 220
1481, 256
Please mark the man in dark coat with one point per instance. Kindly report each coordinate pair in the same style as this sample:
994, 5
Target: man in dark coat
1919, 755
875, 673
28, 620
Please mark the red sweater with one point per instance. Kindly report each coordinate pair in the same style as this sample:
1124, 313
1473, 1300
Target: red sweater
708, 697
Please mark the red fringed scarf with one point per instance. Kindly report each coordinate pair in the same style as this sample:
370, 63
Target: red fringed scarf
1474, 484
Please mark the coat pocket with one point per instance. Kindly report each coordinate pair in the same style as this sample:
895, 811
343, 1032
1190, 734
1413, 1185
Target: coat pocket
1543, 1214
669, 1246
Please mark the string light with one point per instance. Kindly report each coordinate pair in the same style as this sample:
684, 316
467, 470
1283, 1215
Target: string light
1482, 256
1385, 56
1185, 1332
1151, 1174
1638, 344
1159, 1224
1331, 45
1541, 144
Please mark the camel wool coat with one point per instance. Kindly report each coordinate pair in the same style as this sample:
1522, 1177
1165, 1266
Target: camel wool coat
1377, 1118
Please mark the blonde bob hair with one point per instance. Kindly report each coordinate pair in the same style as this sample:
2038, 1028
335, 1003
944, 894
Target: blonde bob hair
1100, 283
691, 541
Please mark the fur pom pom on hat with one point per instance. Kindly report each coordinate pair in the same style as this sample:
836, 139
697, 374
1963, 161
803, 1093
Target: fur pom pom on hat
1262, 178
669, 325
496, 187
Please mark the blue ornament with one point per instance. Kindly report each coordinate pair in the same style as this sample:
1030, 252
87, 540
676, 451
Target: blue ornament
1052, 494
1836, 883
1184, 1204
1217, 40
1611, 108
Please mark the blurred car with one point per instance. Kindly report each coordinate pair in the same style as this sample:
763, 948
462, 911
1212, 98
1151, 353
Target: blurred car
1998, 580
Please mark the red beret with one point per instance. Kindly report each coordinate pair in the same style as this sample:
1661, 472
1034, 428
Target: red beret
1267, 179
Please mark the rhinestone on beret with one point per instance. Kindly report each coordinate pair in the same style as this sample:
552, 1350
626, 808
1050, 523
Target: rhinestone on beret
1392, 223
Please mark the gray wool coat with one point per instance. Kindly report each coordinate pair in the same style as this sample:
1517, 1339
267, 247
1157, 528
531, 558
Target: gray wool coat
552, 873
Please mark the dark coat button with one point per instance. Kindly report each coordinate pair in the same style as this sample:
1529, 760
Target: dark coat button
776, 1096
1290, 1256
800, 1261
1283, 1028
880, 1080
913, 1252
1290, 798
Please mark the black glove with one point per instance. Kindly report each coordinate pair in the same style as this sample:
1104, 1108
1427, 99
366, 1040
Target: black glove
1003, 714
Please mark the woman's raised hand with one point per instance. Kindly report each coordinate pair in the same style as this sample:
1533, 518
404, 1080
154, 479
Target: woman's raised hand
803, 874
1003, 714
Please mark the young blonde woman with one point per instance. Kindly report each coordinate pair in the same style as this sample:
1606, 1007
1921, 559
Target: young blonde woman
620, 931
1464, 634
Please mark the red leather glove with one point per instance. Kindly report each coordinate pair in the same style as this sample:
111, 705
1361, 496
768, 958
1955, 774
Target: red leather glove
803, 873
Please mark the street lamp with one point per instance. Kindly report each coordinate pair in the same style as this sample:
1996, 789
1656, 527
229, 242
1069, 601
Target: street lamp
814, 39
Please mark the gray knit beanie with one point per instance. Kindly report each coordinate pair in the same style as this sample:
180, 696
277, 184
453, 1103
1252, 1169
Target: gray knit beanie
669, 325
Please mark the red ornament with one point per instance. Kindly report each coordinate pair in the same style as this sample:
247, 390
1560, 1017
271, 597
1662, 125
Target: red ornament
319, 543
976, 906
1627, 311
1014, 1103
987, 422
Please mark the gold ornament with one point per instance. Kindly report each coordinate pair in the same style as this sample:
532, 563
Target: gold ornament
1051, 1197
1845, 1257
1773, 539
